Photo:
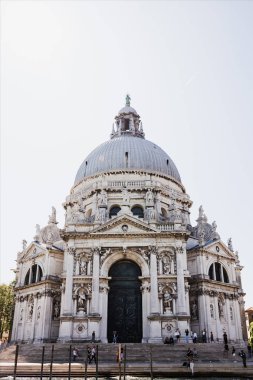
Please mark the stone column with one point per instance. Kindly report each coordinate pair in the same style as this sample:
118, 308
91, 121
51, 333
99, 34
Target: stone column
155, 319
154, 301
68, 302
46, 307
95, 283
181, 306
16, 320
104, 313
145, 310
65, 331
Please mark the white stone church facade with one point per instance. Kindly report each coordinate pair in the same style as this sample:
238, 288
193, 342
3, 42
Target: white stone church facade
128, 258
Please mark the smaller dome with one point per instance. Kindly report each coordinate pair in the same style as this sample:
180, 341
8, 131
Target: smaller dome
127, 109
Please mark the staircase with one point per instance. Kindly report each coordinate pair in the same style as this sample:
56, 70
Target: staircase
166, 359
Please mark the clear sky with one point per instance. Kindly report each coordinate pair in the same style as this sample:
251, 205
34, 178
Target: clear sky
66, 67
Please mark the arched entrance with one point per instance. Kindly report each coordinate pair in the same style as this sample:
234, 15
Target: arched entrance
125, 302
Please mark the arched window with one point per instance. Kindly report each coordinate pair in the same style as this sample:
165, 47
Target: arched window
27, 276
218, 273
114, 211
138, 211
164, 213
34, 274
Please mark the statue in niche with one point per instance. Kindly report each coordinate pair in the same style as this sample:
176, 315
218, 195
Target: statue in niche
125, 195
30, 311
38, 312
81, 301
194, 310
149, 196
166, 265
220, 308
102, 198
167, 301
82, 267
56, 311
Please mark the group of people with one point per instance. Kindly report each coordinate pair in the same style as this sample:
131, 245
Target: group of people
91, 354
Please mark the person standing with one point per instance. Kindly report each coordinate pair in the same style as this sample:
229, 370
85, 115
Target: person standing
187, 336
195, 336
204, 336
75, 354
192, 366
114, 337
93, 355
225, 338
211, 337
243, 356
89, 354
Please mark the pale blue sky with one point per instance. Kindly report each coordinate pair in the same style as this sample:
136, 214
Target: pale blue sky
65, 69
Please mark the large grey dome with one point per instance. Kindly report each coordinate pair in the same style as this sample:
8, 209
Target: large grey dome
127, 152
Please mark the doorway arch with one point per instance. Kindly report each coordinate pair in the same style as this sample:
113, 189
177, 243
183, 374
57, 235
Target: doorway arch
125, 302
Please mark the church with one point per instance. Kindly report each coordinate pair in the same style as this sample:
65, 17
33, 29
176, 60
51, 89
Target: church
128, 260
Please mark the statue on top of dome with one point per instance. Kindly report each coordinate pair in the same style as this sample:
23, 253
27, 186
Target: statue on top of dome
128, 99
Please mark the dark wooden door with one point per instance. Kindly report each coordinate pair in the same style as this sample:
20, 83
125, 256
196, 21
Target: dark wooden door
125, 302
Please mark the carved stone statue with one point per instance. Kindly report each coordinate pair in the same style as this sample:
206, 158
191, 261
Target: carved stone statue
52, 217
83, 267
149, 196
30, 311
102, 198
81, 301
24, 244
128, 99
56, 313
220, 307
68, 214
37, 234
167, 301
125, 196
201, 212
166, 265
194, 310
230, 245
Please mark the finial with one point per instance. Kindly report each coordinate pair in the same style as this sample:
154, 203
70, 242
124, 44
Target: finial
128, 99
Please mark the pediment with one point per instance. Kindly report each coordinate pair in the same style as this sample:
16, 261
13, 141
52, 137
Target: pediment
32, 251
125, 224
220, 249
